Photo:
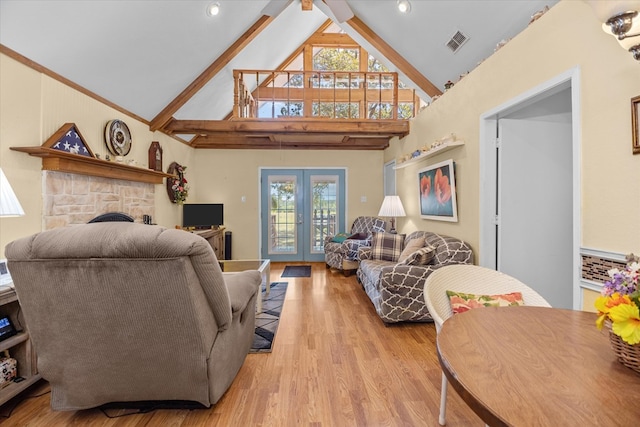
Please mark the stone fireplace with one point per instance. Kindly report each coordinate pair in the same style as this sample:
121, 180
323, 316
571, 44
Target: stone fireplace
70, 198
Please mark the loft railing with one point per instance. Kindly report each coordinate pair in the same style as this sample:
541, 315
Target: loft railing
321, 94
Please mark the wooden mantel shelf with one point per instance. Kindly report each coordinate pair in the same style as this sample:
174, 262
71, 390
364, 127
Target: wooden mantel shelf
60, 161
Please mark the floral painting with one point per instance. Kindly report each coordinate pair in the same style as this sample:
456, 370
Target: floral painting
437, 186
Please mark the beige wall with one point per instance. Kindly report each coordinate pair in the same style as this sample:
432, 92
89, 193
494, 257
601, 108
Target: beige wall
224, 176
567, 36
588, 300
32, 107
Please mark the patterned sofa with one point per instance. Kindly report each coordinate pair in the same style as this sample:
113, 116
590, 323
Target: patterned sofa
397, 289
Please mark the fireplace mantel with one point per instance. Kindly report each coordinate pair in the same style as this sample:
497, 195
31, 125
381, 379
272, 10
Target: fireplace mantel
60, 161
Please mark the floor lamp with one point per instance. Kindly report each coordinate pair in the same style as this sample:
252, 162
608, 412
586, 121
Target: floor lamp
392, 207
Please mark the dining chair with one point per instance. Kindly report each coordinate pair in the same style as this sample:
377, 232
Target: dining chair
469, 279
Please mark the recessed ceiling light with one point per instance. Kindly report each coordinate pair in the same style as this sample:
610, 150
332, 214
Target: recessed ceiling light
404, 6
213, 9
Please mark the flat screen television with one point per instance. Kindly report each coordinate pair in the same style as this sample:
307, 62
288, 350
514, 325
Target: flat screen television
202, 215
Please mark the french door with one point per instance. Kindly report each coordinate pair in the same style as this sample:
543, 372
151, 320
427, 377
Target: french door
299, 208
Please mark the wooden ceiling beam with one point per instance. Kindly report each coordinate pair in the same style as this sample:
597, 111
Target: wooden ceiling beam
388, 52
165, 115
307, 4
271, 143
275, 126
332, 39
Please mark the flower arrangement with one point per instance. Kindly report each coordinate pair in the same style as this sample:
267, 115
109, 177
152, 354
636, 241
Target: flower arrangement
179, 185
620, 302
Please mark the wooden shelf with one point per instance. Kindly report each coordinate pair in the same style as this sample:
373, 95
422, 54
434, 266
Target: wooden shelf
60, 161
439, 149
13, 341
13, 389
19, 346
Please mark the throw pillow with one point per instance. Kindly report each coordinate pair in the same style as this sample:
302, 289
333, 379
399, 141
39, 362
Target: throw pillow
422, 256
340, 237
461, 302
412, 246
387, 246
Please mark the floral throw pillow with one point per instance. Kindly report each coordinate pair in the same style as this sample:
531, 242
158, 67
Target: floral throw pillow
387, 246
461, 302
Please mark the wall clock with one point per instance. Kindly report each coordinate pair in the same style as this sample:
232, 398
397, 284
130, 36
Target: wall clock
117, 137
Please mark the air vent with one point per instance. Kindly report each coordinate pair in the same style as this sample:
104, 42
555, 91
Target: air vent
456, 41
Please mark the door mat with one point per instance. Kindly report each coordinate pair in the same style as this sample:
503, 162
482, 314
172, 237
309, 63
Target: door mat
297, 271
267, 321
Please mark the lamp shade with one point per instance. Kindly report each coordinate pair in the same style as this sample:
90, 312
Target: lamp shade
392, 206
9, 204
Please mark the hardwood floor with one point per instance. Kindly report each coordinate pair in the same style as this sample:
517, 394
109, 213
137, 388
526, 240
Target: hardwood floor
334, 363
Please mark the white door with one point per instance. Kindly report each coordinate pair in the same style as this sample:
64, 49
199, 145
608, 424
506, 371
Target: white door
535, 198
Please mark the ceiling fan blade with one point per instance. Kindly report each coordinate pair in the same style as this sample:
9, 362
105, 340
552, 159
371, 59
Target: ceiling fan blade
340, 9
275, 7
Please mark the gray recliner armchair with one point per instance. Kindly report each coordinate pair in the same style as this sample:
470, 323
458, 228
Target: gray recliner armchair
124, 312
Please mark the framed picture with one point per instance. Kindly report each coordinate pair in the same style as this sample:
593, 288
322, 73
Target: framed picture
437, 184
635, 124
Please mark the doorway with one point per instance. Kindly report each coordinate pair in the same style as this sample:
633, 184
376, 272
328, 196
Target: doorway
300, 207
530, 190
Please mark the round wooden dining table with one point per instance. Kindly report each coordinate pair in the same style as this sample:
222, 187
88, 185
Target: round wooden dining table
537, 366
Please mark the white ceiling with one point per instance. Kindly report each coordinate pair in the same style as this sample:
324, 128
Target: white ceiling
141, 54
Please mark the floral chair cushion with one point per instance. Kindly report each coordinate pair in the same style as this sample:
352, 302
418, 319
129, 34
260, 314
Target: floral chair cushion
461, 302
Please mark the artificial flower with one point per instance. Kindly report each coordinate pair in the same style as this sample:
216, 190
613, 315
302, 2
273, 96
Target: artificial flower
626, 322
620, 302
179, 186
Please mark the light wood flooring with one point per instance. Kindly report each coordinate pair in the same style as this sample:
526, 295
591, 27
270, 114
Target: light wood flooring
334, 363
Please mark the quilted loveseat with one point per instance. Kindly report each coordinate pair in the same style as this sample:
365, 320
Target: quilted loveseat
342, 254
397, 288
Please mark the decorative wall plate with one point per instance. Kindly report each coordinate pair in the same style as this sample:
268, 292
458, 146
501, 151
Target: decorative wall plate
117, 137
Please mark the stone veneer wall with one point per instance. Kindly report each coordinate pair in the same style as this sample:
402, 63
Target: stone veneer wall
76, 199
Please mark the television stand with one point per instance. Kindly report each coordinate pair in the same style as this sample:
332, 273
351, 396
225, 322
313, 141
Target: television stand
215, 237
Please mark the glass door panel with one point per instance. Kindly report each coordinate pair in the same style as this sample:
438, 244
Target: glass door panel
324, 210
283, 215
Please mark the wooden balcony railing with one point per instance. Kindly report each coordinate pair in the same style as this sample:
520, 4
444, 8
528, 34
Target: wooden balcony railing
321, 94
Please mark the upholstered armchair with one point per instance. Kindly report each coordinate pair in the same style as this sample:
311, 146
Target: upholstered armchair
341, 252
126, 312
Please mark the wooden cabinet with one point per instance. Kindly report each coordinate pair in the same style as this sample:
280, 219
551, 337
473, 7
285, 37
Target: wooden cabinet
19, 347
215, 237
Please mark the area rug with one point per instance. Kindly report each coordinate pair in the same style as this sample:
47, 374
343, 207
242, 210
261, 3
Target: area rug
297, 271
267, 321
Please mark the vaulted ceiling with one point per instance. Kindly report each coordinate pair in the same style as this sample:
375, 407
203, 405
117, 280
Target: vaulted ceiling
168, 62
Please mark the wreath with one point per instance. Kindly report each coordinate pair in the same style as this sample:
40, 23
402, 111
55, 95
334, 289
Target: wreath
177, 188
